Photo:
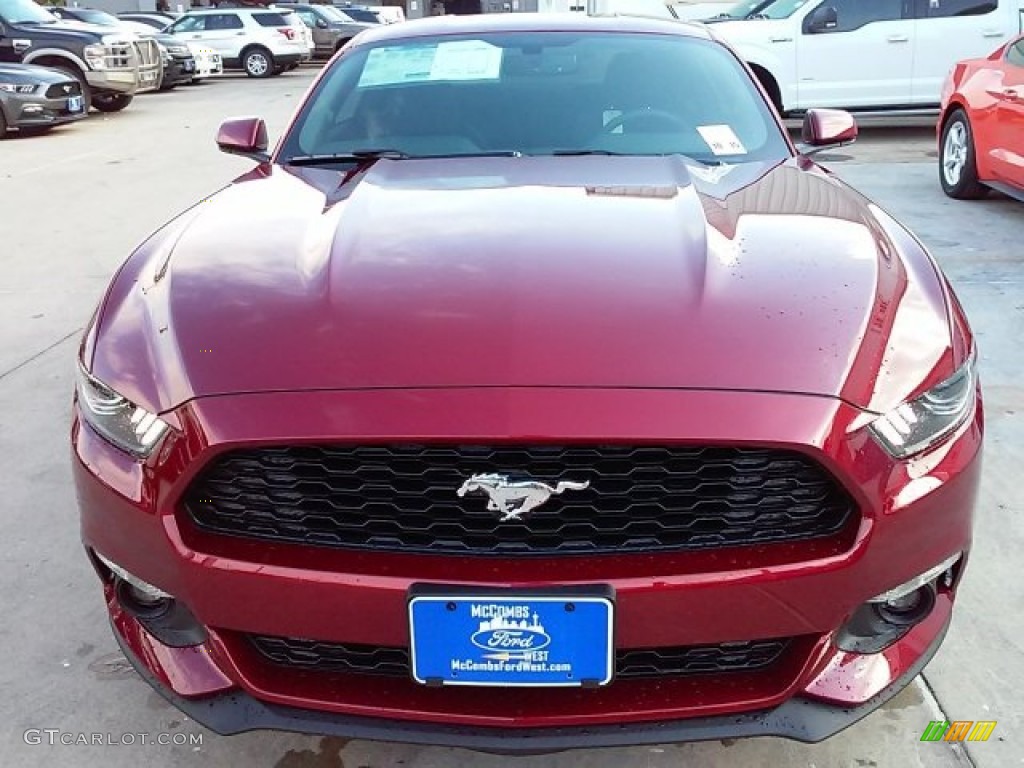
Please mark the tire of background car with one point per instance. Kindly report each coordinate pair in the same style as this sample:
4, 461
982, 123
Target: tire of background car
3, 124
341, 44
958, 162
111, 102
290, 67
73, 72
258, 62
770, 86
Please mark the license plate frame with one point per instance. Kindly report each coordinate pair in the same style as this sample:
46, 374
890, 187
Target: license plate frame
569, 636
75, 104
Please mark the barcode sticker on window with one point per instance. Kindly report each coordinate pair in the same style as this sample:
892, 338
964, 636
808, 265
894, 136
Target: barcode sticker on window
721, 139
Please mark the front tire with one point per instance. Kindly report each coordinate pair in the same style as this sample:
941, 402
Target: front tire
958, 168
258, 62
3, 125
111, 102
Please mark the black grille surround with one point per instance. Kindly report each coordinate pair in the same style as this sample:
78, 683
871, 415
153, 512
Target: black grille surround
683, 661
403, 498
63, 90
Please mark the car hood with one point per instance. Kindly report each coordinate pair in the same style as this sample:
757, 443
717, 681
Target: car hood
28, 73
638, 272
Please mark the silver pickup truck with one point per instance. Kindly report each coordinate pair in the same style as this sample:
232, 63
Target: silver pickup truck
111, 67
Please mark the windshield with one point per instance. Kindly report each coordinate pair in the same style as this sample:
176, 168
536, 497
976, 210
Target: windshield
541, 93
781, 9
746, 8
333, 14
24, 12
98, 17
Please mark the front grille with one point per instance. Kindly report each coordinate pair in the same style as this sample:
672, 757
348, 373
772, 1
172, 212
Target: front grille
403, 498
650, 662
63, 90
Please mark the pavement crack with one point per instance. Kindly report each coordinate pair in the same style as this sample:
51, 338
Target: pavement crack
39, 354
960, 753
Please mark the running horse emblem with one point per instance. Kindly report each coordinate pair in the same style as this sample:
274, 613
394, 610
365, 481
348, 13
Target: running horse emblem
516, 498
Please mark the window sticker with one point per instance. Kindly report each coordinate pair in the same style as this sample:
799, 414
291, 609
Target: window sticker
721, 139
467, 60
458, 60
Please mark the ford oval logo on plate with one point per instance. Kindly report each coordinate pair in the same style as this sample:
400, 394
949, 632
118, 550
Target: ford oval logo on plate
503, 635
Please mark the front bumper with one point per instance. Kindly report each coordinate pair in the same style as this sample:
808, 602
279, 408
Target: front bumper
38, 111
180, 69
914, 515
799, 718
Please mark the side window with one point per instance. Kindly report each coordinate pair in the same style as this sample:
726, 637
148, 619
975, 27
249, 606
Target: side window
219, 21
271, 19
848, 15
188, 24
941, 9
308, 18
1015, 54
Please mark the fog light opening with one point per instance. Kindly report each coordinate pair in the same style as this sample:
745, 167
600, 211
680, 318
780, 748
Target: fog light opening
907, 610
142, 604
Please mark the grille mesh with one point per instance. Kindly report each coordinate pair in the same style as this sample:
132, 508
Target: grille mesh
403, 498
651, 662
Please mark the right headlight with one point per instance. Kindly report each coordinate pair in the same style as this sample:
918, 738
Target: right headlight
96, 56
128, 426
918, 424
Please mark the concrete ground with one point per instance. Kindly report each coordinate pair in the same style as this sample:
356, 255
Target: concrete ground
72, 206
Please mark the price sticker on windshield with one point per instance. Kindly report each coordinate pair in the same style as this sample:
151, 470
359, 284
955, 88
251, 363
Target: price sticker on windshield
721, 139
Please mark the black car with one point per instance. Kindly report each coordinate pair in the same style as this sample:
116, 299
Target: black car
36, 99
179, 65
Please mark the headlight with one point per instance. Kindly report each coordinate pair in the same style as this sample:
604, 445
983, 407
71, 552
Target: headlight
126, 425
17, 88
95, 56
179, 49
918, 424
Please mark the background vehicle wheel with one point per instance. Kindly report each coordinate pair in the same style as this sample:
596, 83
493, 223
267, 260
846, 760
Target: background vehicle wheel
290, 67
76, 75
958, 170
111, 102
258, 62
3, 125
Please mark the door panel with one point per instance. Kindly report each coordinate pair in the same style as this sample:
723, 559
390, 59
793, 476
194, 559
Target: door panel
949, 31
856, 53
1008, 150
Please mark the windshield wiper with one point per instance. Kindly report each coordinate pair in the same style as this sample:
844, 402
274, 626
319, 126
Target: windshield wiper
585, 152
355, 156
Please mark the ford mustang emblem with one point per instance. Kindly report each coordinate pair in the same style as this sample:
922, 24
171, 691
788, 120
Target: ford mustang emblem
67, 89
516, 499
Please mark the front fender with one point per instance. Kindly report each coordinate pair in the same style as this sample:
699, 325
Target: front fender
57, 53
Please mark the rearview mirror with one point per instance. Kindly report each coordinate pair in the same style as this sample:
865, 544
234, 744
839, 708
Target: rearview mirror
245, 136
824, 18
824, 128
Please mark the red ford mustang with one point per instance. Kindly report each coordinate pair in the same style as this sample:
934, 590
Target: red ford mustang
981, 131
520, 364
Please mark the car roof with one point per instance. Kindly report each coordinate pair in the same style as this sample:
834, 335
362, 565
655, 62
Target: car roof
235, 9
532, 22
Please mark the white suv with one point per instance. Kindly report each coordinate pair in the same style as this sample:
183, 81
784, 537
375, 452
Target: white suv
262, 41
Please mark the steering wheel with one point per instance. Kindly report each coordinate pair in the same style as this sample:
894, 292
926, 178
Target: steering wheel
674, 121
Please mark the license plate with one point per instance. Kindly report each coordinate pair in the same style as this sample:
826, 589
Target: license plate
75, 103
512, 639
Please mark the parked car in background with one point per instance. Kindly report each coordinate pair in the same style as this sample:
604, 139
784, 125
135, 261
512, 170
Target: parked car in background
359, 13
635, 383
330, 27
110, 66
155, 19
881, 55
981, 128
37, 99
208, 62
179, 65
260, 41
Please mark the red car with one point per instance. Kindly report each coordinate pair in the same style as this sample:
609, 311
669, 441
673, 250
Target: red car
981, 131
524, 399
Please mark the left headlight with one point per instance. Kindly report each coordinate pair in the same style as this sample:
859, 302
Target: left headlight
918, 424
120, 421
17, 87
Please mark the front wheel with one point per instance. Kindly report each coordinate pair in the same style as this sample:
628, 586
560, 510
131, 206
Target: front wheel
111, 102
958, 169
258, 62
3, 124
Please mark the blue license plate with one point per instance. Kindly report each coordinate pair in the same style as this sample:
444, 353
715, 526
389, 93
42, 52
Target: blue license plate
75, 104
511, 639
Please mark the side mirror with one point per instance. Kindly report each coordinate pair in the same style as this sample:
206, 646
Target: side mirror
825, 128
245, 136
321, 24
824, 18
